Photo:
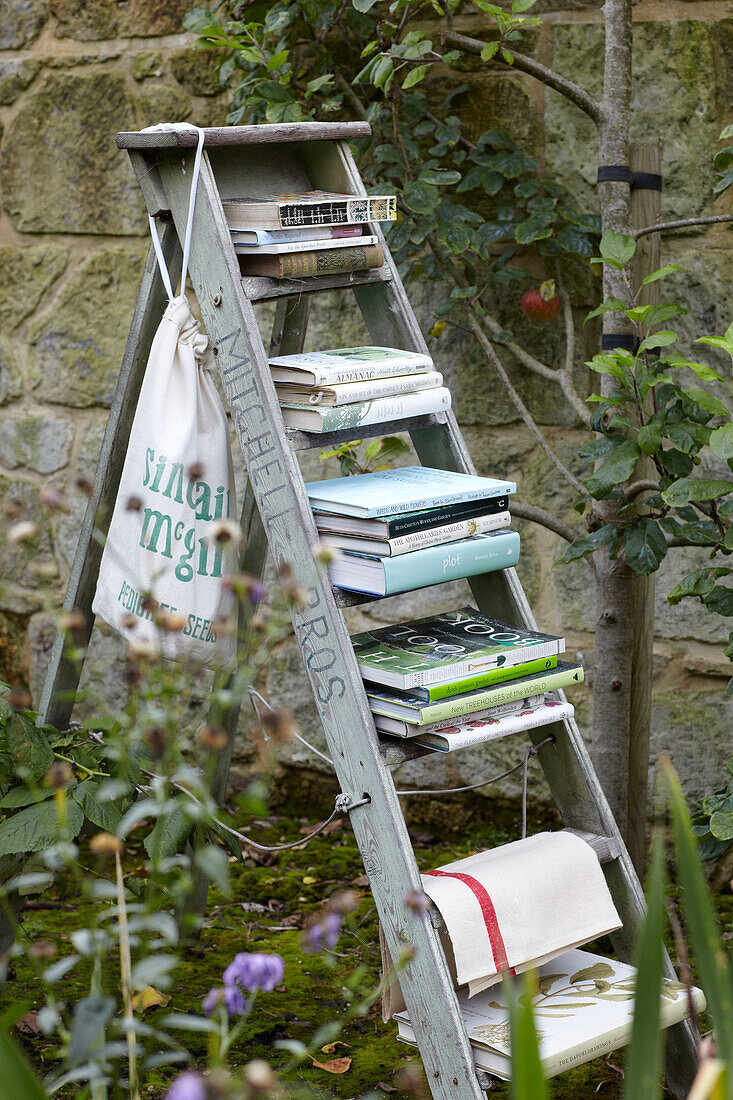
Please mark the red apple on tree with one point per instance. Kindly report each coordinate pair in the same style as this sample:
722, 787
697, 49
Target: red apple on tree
542, 304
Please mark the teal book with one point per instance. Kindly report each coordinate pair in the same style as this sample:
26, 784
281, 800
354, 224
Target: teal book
411, 708
432, 565
408, 489
448, 647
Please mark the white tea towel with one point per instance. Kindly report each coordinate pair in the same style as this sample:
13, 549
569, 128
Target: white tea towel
517, 906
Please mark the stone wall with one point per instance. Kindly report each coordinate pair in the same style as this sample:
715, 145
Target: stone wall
72, 242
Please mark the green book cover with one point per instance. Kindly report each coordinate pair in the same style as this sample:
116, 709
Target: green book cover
484, 679
420, 713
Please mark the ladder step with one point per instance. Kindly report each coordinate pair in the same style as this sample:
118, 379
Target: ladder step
307, 441
258, 288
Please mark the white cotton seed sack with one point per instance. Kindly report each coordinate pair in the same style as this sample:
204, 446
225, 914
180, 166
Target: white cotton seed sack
163, 546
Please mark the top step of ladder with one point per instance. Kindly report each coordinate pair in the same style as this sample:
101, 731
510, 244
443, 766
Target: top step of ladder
242, 135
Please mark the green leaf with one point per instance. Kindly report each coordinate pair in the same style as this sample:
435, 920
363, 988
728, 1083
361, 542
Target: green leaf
439, 177
611, 305
169, 834
24, 796
420, 197
617, 468
104, 815
650, 437
454, 236
87, 1027
707, 402
658, 340
645, 547
490, 50
617, 248
716, 342
721, 443
36, 827
644, 1056
214, 864
364, 5
702, 370
533, 229
698, 584
692, 488
182, 1021
721, 825
720, 600
580, 547
660, 273
527, 1079
712, 961
18, 1077
28, 746
414, 77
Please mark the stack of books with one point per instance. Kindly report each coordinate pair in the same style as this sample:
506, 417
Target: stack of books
461, 677
313, 233
416, 526
325, 391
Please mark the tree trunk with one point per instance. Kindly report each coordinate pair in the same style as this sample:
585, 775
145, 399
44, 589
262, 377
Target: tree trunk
615, 582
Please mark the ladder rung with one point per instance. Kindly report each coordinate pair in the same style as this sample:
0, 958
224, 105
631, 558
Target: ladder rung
258, 288
307, 441
243, 135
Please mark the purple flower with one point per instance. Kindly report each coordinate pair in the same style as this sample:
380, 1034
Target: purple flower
325, 932
230, 996
188, 1086
257, 592
210, 1001
255, 971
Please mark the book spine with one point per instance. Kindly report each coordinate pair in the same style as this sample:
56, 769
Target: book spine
332, 376
486, 679
451, 532
418, 521
384, 409
356, 210
368, 391
307, 245
331, 261
454, 561
452, 708
284, 236
463, 734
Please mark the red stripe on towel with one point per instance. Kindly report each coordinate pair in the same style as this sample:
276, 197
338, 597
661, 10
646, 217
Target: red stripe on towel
489, 914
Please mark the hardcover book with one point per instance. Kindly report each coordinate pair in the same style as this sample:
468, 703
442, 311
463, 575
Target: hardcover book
326, 368
378, 411
409, 522
348, 392
407, 489
307, 209
397, 727
432, 536
282, 236
473, 731
285, 247
432, 565
583, 1008
299, 265
415, 709
448, 647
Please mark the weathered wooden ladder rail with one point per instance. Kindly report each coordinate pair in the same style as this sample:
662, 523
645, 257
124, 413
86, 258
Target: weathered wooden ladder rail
277, 520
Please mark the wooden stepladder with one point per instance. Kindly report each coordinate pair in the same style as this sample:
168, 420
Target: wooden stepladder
277, 519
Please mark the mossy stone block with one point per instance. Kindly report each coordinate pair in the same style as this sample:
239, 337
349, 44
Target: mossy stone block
14, 77
197, 70
40, 443
23, 562
146, 64
77, 344
91, 20
11, 380
26, 274
63, 136
163, 103
21, 21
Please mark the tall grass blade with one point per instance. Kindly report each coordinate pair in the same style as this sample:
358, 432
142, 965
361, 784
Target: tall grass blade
16, 1074
528, 1080
643, 1062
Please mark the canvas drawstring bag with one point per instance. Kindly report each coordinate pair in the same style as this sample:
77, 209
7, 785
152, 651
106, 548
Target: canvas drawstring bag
161, 553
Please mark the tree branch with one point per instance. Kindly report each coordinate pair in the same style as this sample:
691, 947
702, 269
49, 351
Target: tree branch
643, 486
548, 77
545, 519
665, 227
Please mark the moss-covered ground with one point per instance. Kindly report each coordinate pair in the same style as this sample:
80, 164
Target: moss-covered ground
272, 899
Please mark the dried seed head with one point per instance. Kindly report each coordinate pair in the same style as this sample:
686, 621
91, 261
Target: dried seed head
42, 949
260, 1076
43, 569
134, 504
105, 844
225, 531
19, 698
143, 650
294, 592
195, 471
53, 499
225, 627
128, 621
131, 674
22, 532
171, 621
84, 485
213, 739
278, 723
71, 620
259, 619
148, 603
343, 901
13, 507
156, 739
325, 554
59, 775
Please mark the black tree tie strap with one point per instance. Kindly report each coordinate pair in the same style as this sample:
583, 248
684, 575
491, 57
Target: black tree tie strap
637, 181
612, 341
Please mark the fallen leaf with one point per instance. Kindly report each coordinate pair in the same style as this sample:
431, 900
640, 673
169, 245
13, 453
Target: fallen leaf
253, 907
28, 1024
309, 880
330, 1047
336, 1065
361, 880
149, 998
333, 827
385, 1086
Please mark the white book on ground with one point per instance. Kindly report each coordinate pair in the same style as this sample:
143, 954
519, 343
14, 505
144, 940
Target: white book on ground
348, 392
327, 368
584, 1008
